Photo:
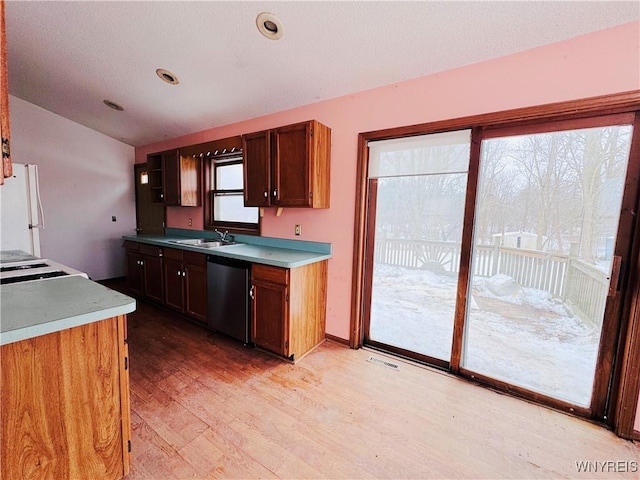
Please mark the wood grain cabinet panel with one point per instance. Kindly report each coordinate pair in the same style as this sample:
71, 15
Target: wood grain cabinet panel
196, 291
173, 283
135, 278
180, 177
256, 150
171, 178
185, 276
288, 166
144, 270
289, 308
271, 317
65, 404
5, 131
152, 271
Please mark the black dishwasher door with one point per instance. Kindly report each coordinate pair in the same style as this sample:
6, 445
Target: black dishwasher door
228, 305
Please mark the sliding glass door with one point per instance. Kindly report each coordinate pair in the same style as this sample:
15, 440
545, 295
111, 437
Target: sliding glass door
419, 186
499, 258
546, 221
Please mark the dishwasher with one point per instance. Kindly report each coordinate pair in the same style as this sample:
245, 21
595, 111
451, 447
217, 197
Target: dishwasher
229, 308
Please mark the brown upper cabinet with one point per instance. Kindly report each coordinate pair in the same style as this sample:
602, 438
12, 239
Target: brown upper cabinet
174, 179
288, 166
181, 179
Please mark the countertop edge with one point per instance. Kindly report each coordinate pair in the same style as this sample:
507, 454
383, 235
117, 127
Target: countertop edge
221, 252
53, 326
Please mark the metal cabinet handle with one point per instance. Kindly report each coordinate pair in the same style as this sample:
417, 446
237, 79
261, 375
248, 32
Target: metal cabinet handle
251, 292
266, 194
275, 192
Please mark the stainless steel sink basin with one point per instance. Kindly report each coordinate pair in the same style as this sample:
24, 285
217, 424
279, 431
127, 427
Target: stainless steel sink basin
202, 242
215, 244
191, 241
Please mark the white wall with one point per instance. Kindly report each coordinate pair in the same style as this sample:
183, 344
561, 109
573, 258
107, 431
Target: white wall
85, 178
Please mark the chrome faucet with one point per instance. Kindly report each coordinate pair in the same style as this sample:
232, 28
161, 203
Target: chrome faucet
224, 236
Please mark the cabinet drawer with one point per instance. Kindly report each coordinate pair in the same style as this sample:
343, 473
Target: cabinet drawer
173, 253
271, 274
193, 258
129, 245
151, 250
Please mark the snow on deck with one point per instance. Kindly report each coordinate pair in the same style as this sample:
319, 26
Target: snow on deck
522, 336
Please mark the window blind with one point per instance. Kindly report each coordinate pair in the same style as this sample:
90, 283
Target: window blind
435, 153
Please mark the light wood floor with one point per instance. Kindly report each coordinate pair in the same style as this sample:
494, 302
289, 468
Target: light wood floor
207, 407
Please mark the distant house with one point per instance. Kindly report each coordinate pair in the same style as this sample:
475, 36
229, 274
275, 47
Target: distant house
524, 240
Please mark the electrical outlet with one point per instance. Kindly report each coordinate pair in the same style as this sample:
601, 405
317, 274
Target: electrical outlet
190, 221
298, 230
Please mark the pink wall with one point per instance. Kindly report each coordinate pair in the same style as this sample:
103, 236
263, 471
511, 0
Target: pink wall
595, 64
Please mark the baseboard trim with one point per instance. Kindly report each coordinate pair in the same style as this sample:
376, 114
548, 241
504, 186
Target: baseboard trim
635, 436
343, 341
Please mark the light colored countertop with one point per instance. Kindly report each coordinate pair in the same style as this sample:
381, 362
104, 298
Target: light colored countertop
9, 256
268, 251
31, 309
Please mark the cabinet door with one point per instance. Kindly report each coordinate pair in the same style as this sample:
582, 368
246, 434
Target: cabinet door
135, 279
256, 148
270, 317
189, 184
196, 292
171, 178
65, 398
173, 284
291, 166
153, 277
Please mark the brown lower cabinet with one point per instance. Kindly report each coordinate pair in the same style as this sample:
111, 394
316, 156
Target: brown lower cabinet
144, 270
289, 307
288, 304
185, 279
65, 404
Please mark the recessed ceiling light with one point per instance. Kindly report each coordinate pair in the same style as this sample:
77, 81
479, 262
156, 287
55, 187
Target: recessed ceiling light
113, 105
270, 26
167, 76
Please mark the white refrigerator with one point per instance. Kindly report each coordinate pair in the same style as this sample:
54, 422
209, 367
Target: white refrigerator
21, 212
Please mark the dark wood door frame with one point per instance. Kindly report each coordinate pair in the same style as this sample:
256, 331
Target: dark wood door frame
624, 384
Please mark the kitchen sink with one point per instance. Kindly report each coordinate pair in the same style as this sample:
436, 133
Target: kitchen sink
216, 244
203, 242
191, 241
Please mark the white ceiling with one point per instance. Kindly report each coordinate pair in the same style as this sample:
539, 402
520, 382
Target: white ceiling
67, 57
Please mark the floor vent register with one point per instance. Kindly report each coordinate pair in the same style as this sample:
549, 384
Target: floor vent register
377, 361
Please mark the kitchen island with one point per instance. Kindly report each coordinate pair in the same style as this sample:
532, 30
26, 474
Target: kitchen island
65, 381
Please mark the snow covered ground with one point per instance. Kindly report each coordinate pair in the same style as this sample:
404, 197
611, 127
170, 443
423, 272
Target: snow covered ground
519, 335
